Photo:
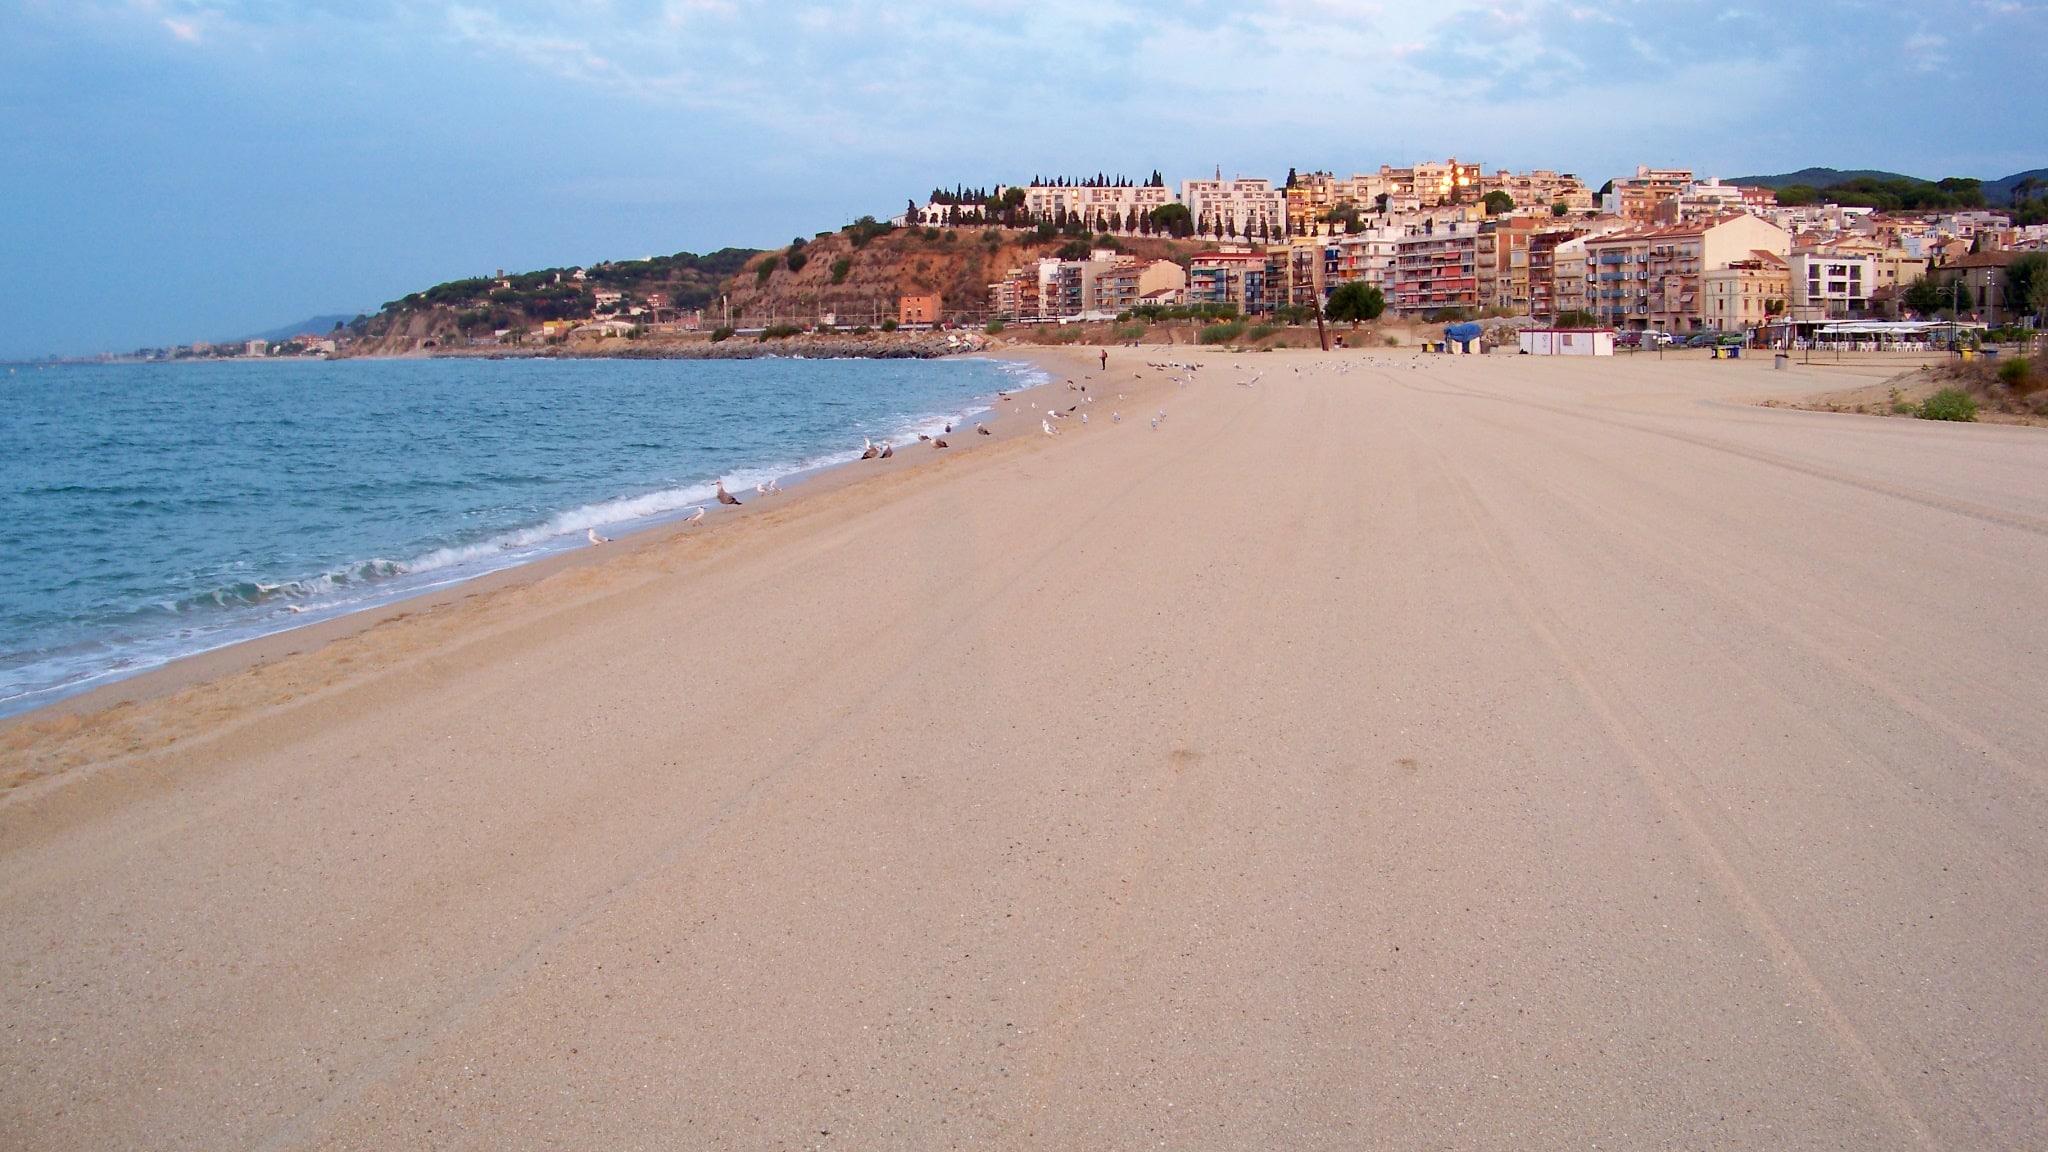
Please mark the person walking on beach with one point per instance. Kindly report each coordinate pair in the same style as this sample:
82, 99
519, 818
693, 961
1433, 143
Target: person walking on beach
1105, 359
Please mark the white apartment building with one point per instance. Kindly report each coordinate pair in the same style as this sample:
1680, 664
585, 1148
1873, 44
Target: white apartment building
1367, 256
1113, 205
1243, 207
1828, 284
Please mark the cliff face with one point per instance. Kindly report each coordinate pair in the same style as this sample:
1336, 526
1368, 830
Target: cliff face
861, 283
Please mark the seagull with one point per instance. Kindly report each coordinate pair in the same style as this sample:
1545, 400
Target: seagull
1155, 423
725, 497
888, 450
949, 428
922, 436
940, 444
594, 537
870, 452
693, 517
979, 430
1047, 425
1116, 418
1084, 417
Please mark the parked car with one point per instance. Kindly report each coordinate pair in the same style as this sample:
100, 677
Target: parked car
1704, 340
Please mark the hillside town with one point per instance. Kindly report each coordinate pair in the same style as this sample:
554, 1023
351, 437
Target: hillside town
1656, 256
1662, 250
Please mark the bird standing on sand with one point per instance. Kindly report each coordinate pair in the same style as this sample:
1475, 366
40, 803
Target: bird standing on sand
870, 452
594, 537
940, 444
1047, 425
693, 517
979, 430
725, 497
888, 450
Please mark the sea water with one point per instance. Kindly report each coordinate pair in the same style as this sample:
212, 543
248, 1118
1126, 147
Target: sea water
149, 512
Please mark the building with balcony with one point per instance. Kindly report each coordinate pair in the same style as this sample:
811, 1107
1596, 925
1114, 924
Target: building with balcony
1239, 207
1231, 276
1831, 284
1436, 269
1651, 277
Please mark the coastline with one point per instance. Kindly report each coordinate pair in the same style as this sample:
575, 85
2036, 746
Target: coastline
292, 657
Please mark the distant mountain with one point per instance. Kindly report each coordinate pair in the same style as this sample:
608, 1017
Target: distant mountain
1820, 178
1997, 193
317, 324
2000, 191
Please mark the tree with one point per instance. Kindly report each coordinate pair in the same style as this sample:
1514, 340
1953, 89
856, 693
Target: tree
1929, 296
2025, 278
1498, 202
1357, 302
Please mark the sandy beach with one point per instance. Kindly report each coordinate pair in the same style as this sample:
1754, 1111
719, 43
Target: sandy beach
1378, 752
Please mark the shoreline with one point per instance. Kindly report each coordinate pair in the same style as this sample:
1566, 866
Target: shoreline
262, 654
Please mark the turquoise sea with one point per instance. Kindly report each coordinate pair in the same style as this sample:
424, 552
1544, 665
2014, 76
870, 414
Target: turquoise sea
148, 512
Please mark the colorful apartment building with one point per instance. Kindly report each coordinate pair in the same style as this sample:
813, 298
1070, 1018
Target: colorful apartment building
1437, 269
1541, 188
1234, 276
1651, 277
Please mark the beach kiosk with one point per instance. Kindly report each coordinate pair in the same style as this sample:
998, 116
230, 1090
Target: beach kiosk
1567, 342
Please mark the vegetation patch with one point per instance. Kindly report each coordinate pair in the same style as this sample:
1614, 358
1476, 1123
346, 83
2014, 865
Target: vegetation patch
1949, 404
780, 332
1222, 333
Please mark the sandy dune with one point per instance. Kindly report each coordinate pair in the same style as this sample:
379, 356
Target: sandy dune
1491, 753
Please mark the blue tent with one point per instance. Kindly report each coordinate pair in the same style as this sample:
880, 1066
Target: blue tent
1464, 334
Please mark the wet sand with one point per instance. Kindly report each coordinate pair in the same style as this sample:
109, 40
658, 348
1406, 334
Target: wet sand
1462, 752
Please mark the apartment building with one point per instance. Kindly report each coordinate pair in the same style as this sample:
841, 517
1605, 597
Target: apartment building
1568, 278
1436, 269
1367, 256
1241, 207
1231, 276
1651, 277
1710, 198
1129, 283
1114, 208
1742, 295
1635, 198
1831, 284
1545, 294
1541, 188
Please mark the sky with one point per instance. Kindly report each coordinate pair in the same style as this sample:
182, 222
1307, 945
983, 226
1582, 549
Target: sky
178, 170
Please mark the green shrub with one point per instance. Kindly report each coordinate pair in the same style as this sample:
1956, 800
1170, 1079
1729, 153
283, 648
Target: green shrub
1261, 331
1949, 404
995, 328
1069, 335
861, 330
796, 260
720, 333
1222, 333
889, 325
1123, 332
780, 332
2015, 373
766, 269
840, 268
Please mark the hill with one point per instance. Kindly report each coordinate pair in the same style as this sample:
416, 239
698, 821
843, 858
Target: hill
319, 325
1997, 193
483, 304
854, 276
1819, 178
858, 274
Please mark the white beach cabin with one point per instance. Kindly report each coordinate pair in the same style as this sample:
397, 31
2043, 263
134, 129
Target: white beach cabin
1567, 342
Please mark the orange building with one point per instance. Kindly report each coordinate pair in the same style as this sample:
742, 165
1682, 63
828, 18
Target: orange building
918, 309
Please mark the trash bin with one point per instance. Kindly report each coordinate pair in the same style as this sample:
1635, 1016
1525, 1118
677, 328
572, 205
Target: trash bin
1735, 351
1780, 360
